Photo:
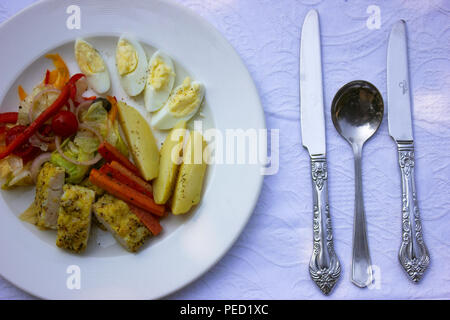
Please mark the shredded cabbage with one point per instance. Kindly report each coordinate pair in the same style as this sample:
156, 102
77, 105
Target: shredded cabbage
115, 139
86, 141
74, 173
97, 118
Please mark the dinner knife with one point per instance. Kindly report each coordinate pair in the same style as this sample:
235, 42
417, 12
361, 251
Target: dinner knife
413, 254
324, 266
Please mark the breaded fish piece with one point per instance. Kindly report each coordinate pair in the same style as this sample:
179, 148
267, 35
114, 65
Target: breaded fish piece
49, 187
98, 193
74, 220
117, 217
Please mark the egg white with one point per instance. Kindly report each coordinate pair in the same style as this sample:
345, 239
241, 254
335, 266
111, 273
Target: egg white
100, 82
134, 82
163, 119
155, 99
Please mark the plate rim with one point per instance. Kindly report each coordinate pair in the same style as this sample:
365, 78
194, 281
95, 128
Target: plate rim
262, 124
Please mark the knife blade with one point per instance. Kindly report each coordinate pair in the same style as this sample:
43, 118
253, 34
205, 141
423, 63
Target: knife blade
311, 94
399, 100
413, 254
324, 266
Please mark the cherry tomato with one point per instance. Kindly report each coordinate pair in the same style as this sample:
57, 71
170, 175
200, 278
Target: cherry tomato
65, 123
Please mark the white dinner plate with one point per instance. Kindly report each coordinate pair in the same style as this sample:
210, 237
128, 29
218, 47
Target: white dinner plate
190, 244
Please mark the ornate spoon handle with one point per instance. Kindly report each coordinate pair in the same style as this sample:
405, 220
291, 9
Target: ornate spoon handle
413, 254
361, 262
324, 266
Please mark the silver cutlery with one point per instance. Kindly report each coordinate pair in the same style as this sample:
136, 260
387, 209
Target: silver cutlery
357, 112
324, 266
413, 254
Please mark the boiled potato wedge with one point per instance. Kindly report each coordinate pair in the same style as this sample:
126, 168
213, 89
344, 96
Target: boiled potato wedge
189, 184
140, 140
168, 166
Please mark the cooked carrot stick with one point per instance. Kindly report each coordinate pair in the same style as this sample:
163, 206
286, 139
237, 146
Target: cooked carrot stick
110, 153
123, 170
125, 193
117, 175
147, 219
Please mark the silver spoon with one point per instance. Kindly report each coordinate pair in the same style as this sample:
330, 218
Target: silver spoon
357, 111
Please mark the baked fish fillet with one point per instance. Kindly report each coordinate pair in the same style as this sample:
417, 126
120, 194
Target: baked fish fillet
74, 220
117, 217
49, 187
98, 193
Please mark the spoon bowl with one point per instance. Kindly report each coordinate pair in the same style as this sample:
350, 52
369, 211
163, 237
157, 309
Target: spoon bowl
357, 111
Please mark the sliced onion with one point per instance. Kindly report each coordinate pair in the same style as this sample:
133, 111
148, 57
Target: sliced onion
89, 128
44, 138
82, 106
80, 163
71, 105
35, 141
37, 97
22, 175
82, 86
46, 86
37, 163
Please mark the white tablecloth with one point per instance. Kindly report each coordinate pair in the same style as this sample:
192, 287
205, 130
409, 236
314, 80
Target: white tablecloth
270, 259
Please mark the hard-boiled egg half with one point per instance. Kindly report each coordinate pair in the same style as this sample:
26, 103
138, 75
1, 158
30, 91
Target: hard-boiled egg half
92, 65
131, 63
183, 103
161, 76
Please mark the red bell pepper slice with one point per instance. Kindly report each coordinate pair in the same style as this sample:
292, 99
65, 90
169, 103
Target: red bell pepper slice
9, 117
47, 77
2, 137
44, 116
26, 151
73, 88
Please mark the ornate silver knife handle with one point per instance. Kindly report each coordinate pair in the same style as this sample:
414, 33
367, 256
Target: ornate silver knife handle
413, 254
324, 266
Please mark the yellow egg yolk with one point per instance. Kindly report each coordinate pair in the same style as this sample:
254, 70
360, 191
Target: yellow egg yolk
88, 59
185, 99
159, 74
126, 57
